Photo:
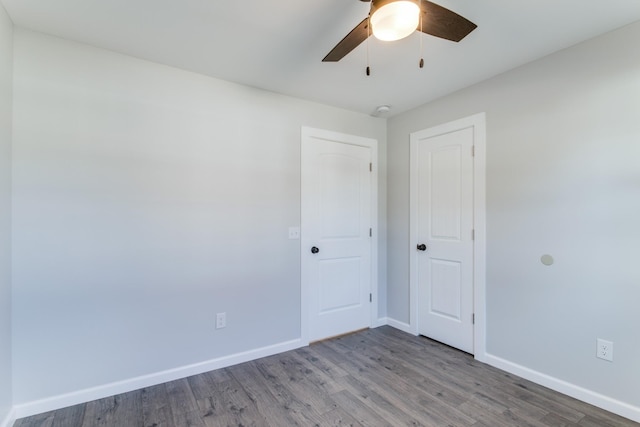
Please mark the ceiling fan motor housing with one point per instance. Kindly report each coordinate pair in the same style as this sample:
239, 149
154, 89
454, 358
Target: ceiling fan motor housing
377, 4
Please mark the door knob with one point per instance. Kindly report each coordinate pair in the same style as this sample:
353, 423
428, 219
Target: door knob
314, 250
422, 247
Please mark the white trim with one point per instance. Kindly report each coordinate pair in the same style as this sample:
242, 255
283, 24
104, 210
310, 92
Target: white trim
305, 134
480, 241
9, 419
61, 401
373, 145
413, 225
601, 401
404, 327
382, 321
478, 123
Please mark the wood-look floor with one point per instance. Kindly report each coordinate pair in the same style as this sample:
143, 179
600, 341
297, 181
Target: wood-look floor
378, 377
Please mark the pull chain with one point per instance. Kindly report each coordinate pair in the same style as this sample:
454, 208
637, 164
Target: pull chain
368, 37
421, 63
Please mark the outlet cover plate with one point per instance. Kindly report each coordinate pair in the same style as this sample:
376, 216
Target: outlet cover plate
294, 233
221, 320
604, 350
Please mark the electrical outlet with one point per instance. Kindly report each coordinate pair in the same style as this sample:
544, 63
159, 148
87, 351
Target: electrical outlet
605, 350
221, 320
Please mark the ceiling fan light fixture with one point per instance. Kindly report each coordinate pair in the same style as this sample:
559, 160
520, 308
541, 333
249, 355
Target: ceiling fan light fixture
395, 20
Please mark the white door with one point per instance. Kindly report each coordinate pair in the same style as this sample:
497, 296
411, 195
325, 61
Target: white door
336, 244
442, 234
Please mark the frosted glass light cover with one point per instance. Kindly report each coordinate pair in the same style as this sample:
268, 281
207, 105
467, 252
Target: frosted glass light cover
395, 21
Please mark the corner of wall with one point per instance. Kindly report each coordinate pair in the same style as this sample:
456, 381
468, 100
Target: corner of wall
9, 420
7, 414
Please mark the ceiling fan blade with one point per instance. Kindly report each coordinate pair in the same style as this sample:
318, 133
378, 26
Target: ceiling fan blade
441, 22
359, 34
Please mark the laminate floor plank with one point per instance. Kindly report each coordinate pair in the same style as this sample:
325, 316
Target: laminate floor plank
383, 404
365, 415
373, 378
407, 399
517, 419
72, 416
184, 407
298, 406
305, 371
230, 406
223, 401
202, 387
514, 414
445, 413
255, 386
415, 400
491, 381
304, 383
339, 417
443, 391
156, 409
483, 415
39, 420
416, 363
590, 421
553, 420
331, 370
219, 375
120, 410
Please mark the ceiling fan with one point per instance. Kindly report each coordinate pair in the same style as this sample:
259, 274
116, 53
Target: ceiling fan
395, 19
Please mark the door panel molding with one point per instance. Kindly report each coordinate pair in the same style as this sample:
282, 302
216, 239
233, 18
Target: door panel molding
477, 123
308, 136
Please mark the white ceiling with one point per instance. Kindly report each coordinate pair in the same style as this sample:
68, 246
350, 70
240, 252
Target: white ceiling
278, 45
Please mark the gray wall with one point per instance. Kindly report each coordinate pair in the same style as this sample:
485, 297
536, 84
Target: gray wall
563, 159
147, 199
6, 72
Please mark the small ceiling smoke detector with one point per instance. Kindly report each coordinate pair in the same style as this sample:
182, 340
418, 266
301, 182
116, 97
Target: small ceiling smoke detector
382, 109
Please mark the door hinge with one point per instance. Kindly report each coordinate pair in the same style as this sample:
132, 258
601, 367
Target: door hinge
473, 318
473, 234
370, 232
370, 167
370, 297
473, 151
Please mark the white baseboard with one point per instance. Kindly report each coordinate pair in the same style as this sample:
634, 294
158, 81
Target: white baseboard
9, 419
404, 327
382, 321
62, 401
601, 401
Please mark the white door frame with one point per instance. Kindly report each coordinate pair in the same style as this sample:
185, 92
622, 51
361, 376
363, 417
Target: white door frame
478, 123
307, 135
